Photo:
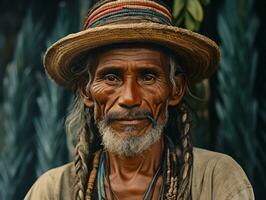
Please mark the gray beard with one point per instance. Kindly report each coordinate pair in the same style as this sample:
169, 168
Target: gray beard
131, 145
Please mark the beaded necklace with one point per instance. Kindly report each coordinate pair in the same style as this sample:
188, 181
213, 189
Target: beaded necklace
103, 175
168, 170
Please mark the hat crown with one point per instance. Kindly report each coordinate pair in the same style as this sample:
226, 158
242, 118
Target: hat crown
120, 11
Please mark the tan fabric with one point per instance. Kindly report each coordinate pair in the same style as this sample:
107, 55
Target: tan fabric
215, 177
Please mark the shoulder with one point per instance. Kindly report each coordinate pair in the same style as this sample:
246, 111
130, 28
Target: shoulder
56, 183
205, 158
219, 177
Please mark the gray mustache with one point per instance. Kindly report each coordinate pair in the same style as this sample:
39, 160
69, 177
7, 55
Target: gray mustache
130, 115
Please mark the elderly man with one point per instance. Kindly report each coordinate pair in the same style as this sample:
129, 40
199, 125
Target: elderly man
130, 68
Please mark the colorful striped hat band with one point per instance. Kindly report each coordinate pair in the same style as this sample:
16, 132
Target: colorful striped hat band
128, 9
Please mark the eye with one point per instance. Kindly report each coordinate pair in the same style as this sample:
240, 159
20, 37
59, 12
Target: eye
112, 79
148, 78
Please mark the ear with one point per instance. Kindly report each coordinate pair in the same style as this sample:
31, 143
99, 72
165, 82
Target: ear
85, 95
178, 90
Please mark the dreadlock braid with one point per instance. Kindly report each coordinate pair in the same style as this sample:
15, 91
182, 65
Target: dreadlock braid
177, 185
81, 159
186, 153
83, 154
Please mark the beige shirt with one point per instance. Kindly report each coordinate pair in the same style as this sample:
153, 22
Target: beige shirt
215, 177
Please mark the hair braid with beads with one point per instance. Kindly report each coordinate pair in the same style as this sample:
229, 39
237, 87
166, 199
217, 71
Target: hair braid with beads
186, 153
84, 149
178, 128
81, 167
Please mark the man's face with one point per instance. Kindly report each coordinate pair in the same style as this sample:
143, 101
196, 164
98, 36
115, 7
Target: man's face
130, 90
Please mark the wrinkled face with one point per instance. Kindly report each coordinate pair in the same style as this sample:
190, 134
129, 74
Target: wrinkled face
131, 90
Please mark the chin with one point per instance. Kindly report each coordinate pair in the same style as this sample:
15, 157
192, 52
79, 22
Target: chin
129, 142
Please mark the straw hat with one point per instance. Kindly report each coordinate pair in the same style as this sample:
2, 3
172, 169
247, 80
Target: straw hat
130, 21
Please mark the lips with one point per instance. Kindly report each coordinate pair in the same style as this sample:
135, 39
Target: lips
131, 122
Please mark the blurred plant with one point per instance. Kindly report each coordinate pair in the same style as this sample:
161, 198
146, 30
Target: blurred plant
17, 110
262, 141
260, 174
51, 147
84, 6
237, 106
2, 133
51, 139
189, 13
19, 106
53, 100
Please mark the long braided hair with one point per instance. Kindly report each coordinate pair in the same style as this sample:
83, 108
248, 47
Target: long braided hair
80, 123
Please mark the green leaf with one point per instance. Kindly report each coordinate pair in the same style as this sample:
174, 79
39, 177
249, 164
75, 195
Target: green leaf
195, 9
178, 7
189, 22
236, 79
179, 20
197, 26
225, 34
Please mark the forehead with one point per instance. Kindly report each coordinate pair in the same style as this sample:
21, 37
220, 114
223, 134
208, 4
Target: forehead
132, 53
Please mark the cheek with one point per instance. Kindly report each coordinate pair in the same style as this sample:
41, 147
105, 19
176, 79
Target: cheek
157, 93
156, 97
103, 97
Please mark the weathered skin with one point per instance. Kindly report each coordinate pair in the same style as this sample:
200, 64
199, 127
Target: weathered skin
133, 78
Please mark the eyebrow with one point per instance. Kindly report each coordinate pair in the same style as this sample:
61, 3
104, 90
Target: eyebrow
109, 69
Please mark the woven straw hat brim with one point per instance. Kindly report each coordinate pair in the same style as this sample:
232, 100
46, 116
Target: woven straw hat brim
199, 54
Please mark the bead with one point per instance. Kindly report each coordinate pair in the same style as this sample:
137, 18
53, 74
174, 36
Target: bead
187, 127
170, 191
81, 195
185, 142
178, 152
171, 186
186, 157
168, 172
185, 171
92, 175
88, 197
175, 191
173, 157
184, 117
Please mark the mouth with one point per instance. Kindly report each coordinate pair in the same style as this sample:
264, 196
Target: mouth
131, 122
130, 127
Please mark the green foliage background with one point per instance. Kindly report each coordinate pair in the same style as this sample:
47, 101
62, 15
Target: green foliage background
230, 117
238, 31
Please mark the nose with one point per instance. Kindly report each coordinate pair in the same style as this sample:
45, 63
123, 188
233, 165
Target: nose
130, 96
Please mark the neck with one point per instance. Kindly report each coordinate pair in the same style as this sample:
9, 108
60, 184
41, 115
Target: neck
145, 163
130, 176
